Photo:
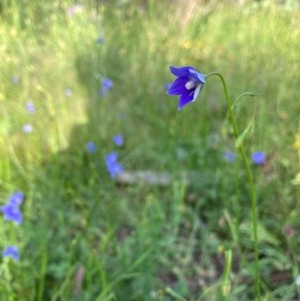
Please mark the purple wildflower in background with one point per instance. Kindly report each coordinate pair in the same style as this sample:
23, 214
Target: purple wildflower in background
229, 156
100, 40
16, 198
27, 128
12, 213
15, 79
68, 92
112, 164
74, 9
30, 107
106, 86
11, 210
91, 147
188, 84
11, 251
118, 140
259, 158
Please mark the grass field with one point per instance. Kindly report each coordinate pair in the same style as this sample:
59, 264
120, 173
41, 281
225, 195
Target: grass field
75, 76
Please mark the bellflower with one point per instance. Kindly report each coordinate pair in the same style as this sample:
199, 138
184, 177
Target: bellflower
259, 158
75, 9
15, 79
100, 40
11, 210
27, 128
106, 86
11, 251
112, 164
30, 107
91, 147
16, 198
188, 84
12, 213
229, 156
118, 140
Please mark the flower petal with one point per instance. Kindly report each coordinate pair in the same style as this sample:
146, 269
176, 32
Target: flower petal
16, 198
259, 158
181, 71
178, 86
199, 77
11, 251
185, 98
197, 91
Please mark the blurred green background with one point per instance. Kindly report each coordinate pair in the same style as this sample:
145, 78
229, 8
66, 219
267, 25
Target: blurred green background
85, 236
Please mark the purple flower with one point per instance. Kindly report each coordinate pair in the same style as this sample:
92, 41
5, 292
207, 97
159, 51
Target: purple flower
259, 158
229, 156
74, 9
11, 213
16, 198
106, 85
11, 251
11, 210
100, 40
30, 107
27, 128
112, 164
91, 147
15, 79
118, 140
188, 84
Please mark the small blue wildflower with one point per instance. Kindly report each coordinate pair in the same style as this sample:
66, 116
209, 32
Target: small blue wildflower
112, 164
27, 128
11, 213
188, 84
111, 158
91, 147
106, 86
229, 156
16, 198
118, 140
100, 40
11, 210
11, 251
74, 9
30, 107
15, 79
259, 158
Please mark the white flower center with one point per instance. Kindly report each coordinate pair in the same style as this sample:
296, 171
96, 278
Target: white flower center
190, 85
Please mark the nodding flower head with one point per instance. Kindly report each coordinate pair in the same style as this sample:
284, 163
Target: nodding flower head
11, 210
188, 84
11, 251
259, 158
112, 164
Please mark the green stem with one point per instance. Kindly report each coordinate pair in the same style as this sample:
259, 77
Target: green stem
250, 180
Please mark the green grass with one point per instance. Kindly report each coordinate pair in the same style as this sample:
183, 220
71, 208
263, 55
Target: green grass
85, 237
